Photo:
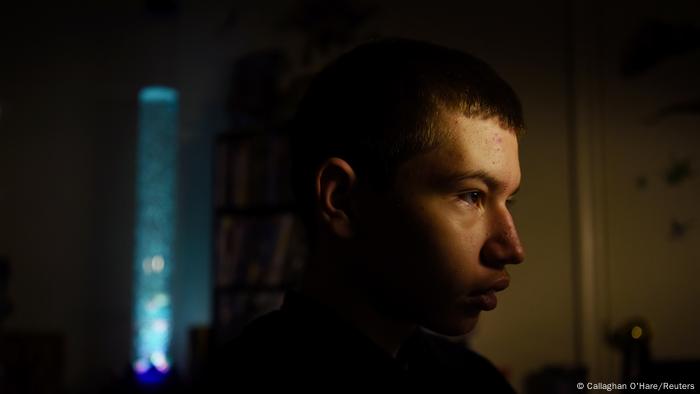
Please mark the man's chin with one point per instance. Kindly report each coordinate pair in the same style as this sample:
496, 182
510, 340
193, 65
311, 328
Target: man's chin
461, 327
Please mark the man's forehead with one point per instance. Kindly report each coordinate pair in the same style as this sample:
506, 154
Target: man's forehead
473, 149
451, 124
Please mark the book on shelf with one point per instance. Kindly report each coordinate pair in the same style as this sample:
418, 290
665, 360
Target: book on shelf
252, 171
239, 161
254, 252
279, 173
232, 311
258, 170
221, 166
281, 251
258, 252
230, 234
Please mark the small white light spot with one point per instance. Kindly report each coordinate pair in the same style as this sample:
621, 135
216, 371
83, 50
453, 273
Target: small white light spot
157, 264
158, 360
141, 366
163, 368
160, 325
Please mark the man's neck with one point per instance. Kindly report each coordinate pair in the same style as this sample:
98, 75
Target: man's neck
355, 306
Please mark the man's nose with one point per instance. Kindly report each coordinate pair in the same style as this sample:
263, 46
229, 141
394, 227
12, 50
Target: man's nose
503, 244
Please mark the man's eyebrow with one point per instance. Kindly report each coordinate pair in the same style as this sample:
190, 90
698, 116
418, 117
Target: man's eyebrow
517, 189
483, 176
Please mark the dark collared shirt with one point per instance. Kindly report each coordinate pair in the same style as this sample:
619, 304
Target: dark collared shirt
305, 345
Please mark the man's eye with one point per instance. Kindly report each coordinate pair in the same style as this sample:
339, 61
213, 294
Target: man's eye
473, 197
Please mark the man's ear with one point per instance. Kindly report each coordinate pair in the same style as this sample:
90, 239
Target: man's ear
335, 180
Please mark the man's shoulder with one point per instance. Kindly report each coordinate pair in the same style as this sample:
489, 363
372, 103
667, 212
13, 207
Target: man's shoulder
260, 350
454, 361
260, 337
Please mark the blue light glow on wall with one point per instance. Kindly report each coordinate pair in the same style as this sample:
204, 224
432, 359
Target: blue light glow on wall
155, 231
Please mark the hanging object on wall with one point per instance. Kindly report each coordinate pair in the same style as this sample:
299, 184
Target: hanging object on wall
641, 182
678, 171
654, 44
678, 229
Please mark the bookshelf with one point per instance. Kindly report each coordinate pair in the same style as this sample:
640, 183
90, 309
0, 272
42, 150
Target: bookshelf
258, 249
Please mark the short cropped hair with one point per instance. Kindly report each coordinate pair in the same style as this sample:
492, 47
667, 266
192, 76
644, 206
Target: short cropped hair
379, 104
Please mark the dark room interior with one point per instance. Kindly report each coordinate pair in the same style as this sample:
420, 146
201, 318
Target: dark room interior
145, 165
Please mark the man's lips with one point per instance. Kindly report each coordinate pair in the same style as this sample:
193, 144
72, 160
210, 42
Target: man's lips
485, 299
497, 285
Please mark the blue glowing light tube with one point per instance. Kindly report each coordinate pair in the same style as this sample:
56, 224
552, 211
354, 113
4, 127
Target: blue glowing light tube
156, 165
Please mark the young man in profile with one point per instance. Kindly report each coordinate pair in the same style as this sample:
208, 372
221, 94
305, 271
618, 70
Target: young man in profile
405, 160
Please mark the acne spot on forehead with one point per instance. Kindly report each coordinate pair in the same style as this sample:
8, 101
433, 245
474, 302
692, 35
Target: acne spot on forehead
497, 139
